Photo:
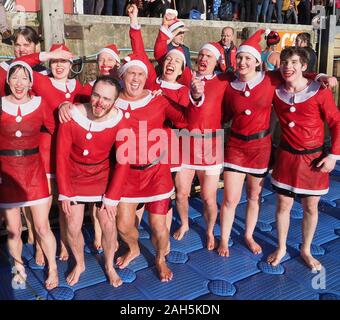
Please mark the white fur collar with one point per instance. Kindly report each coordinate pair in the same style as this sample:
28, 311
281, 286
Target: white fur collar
95, 126
124, 104
298, 97
26, 108
69, 86
169, 85
241, 85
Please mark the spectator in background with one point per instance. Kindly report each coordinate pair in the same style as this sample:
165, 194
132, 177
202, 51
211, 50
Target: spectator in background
270, 57
289, 10
337, 6
114, 7
93, 6
4, 28
228, 57
248, 10
184, 7
303, 40
262, 9
157, 8
277, 5
304, 9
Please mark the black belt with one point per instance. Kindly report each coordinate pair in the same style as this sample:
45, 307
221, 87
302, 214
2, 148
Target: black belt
202, 135
254, 136
287, 147
149, 165
19, 153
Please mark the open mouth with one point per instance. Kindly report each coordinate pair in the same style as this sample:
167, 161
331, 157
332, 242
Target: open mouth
287, 73
169, 70
105, 70
19, 91
60, 70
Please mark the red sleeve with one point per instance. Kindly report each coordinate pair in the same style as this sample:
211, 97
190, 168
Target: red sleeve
64, 143
84, 95
227, 113
175, 114
161, 45
120, 172
3, 75
185, 78
49, 122
31, 59
331, 114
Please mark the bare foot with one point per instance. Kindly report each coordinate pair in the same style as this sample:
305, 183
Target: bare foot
63, 253
39, 257
223, 249
180, 232
114, 278
97, 245
165, 274
74, 275
253, 246
310, 261
210, 242
123, 261
20, 275
275, 258
52, 279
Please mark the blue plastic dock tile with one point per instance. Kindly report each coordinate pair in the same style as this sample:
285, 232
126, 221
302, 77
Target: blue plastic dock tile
221, 288
324, 231
32, 265
326, 281
34, 289
201, 223
28, 251
331, 211
127, 275
333, 248
233, 268
329, 296
265, 286
210, 296
104, 291
186, 284
332, 195
88, 233
60, 293
315, 249
264, 227
195, 207
93, 273
177, 257
267, 268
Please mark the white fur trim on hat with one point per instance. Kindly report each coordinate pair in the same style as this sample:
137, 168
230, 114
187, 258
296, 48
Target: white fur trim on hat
251, 50
213, 49
20, 63
111, 52
137, 63
176, 25
178, 52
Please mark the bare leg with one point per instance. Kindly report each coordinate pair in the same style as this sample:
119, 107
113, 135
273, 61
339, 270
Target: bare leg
160, 239
40, 214
309, 223
233, 183
33, 238
109, 239
97, 230
183, 181
126, 224
75, 240
284, 206
254, 189
209, 185
14, 243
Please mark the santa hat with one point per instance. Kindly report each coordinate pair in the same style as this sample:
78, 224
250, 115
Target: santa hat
179, 51
177, 24
252, 45
130, 61
112, 50
214, 47
23, 64
56, 46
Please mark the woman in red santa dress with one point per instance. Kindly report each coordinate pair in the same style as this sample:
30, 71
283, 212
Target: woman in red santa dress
55, 90
303, 165
248, 103
22, 116
149, 180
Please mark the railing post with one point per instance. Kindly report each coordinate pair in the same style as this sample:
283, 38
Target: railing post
52, 21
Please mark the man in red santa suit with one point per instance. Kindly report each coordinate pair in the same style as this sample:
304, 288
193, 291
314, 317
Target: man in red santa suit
83, 171
303, 165
205, 140
149, 180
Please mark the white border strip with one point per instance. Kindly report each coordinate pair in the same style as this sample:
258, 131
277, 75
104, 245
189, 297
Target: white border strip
243, 169
299, 190
148, 199
80, 198
25, 204
198, 167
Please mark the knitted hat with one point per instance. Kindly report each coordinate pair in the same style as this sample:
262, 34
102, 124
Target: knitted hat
177, 24
252, 45
112, 50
